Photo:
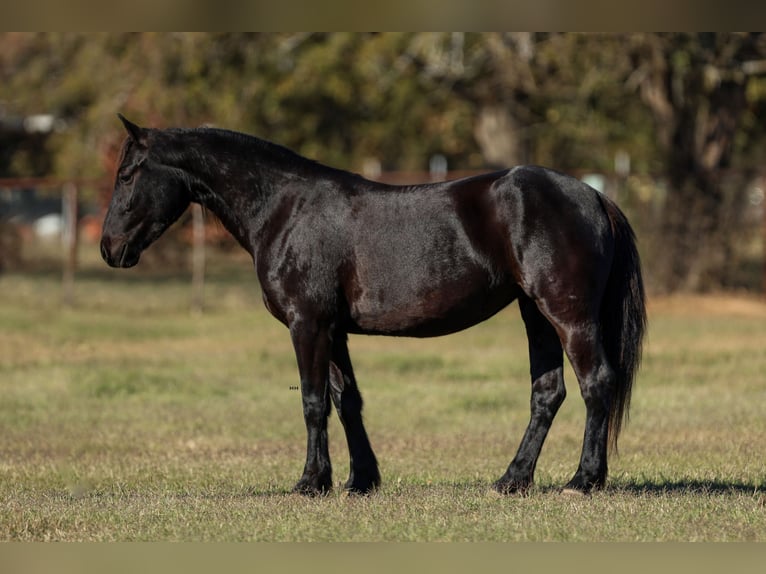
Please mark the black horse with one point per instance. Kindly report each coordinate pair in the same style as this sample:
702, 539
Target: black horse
338, 254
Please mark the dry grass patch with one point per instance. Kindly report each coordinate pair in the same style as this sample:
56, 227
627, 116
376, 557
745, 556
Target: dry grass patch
131, 419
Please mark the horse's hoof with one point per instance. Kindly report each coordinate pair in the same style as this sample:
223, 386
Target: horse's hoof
359, 487
355, 491
308, 488
583, 487
350, 494
494, 494
573, 492
310, 492
511, 487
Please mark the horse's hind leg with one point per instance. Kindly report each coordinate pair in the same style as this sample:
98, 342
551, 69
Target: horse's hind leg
364, 476
546, 367
597, 382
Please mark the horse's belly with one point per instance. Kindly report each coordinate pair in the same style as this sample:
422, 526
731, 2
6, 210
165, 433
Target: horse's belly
429, 312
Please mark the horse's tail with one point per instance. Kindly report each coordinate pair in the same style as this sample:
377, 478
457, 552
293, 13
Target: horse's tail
623, 316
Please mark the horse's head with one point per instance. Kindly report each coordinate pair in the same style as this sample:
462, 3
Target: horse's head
148, 197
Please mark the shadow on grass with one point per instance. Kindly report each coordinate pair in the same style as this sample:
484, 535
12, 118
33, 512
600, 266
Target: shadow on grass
697, 487
273, 491
715, 487
638, 487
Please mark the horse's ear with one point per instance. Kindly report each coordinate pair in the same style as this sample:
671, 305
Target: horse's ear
137, 134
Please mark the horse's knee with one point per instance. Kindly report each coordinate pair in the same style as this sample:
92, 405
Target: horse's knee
316, 409
548, 392
598, 387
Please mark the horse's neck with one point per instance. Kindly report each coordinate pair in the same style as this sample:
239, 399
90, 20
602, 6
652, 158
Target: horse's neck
237, 180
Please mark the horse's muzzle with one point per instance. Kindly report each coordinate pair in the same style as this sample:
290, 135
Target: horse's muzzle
117, 253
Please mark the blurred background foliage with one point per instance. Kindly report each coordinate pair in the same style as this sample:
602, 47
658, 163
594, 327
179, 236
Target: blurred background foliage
686, 109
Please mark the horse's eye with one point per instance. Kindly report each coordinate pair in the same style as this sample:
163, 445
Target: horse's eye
127, 176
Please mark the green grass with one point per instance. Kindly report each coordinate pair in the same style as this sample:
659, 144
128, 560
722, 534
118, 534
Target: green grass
129, 418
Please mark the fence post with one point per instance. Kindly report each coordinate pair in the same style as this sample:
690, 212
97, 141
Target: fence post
69, 241
198, 258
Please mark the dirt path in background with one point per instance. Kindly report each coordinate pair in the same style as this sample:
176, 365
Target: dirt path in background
713, 304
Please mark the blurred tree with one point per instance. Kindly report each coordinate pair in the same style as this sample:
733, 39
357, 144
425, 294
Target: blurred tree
555, 99
696, 85
480, 99
341, 98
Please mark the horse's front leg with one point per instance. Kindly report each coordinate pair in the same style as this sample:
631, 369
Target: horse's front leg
312, 342
364, 476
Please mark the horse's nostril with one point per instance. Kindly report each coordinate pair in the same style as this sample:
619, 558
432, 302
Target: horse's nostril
123, 254
105, 250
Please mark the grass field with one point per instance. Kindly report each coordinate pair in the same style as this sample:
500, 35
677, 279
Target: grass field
129, 418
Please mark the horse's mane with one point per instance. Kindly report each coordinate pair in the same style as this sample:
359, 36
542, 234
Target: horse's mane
274, 153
